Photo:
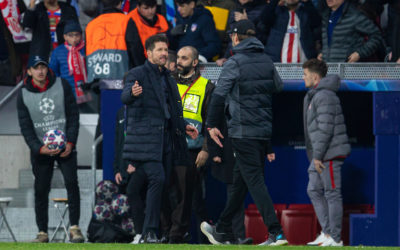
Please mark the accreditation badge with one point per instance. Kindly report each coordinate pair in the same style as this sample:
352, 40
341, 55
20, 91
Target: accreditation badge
191, 103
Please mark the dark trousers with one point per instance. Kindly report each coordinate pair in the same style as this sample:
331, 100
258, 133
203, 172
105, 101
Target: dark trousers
136, 192
248, 175
238, 228
176, 219
42, 167
154, 174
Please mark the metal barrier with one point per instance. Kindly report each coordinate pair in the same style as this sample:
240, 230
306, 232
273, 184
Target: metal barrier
11, 93
93, 167
346, 71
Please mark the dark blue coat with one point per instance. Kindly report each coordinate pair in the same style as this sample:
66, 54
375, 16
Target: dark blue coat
276, 18
200, 33
146, 118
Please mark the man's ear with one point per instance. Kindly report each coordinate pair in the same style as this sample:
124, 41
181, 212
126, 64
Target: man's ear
29, 72
192, 4
195, 62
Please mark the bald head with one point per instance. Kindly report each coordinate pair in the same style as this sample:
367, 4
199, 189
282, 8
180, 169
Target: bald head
187, 60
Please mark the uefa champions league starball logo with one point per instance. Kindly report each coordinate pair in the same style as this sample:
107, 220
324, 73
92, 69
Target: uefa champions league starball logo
46, 105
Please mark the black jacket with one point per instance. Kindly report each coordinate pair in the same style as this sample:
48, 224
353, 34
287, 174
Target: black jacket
146, 116
71, 114
244, 92
38, 20
119, 165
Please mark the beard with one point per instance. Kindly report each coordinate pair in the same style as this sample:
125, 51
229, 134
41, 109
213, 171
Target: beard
183, 70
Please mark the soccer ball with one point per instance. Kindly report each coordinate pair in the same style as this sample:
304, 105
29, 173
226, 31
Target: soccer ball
55, 139
103, 212
120, 205
105, 191
127, 225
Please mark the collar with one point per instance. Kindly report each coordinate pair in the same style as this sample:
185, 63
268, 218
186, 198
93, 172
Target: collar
41, 89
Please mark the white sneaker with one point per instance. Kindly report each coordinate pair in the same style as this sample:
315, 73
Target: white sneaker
319, 240
330, 242
137, 238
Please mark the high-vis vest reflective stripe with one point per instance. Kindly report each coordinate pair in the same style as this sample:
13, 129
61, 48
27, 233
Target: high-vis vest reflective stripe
145, 31
106, 52
192, 103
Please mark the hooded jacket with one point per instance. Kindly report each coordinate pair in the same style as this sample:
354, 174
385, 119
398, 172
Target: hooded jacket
244, 92
70, 107
199, 31
324, 127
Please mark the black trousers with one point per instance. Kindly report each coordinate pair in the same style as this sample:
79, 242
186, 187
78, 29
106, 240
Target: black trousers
238, 228
154, 174
42, 167
248, 175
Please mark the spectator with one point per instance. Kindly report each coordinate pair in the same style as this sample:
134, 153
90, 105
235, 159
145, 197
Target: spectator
155, 134
243, 93
119, 165
195, 27
246, 9
143, 23
393, 34
327, 144
292, 29
47, 20
344, 30
171, 61
106, 50
68, 60
41, 88
221, 11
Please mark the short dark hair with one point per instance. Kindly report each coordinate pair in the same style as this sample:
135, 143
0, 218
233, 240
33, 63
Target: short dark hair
316, 66
110, 3
149, 3
180, 2
151, 41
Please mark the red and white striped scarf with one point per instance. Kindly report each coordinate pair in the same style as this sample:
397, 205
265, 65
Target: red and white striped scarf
77, 66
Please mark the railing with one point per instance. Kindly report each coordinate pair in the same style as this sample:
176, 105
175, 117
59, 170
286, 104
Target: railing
11, 93
93, 167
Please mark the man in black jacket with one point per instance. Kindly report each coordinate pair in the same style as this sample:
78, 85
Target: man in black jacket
155, 136
45, 103
244, 92
47, 20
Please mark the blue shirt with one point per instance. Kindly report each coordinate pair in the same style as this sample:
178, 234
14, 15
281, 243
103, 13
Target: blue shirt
333, 19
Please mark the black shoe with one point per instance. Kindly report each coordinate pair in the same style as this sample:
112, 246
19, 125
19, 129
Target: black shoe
176, 240
214, 237
151, 238
245, 241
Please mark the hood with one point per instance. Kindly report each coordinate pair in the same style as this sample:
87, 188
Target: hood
28, 81
250, 44
331, 82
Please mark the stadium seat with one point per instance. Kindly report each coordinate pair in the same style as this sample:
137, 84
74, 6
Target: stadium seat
255, 227
300, 226
301, 207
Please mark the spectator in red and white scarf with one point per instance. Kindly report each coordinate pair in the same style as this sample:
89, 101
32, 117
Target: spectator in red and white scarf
68, 60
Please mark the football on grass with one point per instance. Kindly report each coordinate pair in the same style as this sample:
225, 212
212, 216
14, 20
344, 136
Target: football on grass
55, 139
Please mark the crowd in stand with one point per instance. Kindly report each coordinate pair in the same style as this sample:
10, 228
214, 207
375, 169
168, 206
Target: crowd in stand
92, 41
291, 30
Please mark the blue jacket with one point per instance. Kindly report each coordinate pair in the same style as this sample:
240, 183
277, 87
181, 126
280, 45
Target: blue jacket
276, 18
59, 64
199, 32
146, 117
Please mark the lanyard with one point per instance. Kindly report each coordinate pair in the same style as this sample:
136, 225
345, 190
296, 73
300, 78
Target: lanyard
187, 90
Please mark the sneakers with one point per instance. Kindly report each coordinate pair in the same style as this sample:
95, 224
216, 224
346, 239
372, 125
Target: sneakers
319, 240
137, 239
41, 237
277, 239
76, 234
213, 236
330, 242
